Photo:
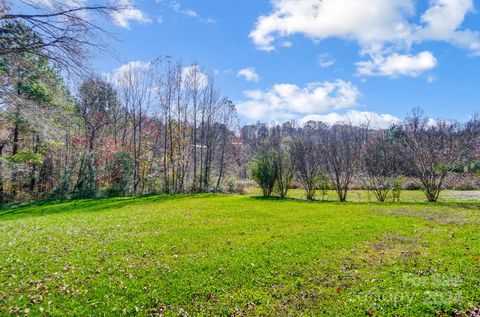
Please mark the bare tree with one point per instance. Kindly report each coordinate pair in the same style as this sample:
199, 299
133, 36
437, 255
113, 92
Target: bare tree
167, 84
196, 83
285, 168
210, 108
3, 143
381, 162
63, 32
342, 145
434, 148
307, 157
135, 86
227, 120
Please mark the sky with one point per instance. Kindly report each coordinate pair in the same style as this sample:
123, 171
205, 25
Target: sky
328, 60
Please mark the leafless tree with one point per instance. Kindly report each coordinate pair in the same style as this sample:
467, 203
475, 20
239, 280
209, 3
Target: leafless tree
63, 31
434, 148
228, 118
307, 157
196, 82
342, 145
209, 110
136, 86
188, 98
167, 83
381, 159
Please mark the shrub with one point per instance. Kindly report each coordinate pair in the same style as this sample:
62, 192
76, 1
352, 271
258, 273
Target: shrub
235, 187
263, 170
396, 187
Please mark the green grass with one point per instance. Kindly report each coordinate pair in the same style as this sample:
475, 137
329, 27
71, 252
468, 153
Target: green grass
216, 255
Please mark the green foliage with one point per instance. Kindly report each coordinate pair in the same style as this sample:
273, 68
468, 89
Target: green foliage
263, 170
35, 90
475, 167
31, 74
15, 34
27, 156
458, 168
396, 187
120, 170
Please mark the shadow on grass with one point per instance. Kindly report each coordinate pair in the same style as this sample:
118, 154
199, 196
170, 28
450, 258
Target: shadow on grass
41, 208
290, 199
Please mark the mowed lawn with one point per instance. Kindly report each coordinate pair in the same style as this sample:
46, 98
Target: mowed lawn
219, 255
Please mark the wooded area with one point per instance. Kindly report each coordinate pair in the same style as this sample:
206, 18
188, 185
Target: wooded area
164, 127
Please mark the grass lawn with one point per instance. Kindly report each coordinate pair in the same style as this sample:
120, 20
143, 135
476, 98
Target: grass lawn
218, 255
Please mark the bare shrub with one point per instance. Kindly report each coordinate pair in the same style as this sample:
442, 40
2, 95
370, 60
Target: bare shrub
380, 163
342, 145
434, 148
306, 154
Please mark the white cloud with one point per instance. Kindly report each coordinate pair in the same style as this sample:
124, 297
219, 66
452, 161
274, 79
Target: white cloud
367, 22
391, 25
288, 101
249, 74
129, 12
60, 6
128, 73
397, 65
374, 120
177, 7
324, 60
361, 20
443, 21
431, 79
122, 17
188, 12
210, 20
194, 75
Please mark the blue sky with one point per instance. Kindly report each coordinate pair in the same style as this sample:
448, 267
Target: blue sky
312, 59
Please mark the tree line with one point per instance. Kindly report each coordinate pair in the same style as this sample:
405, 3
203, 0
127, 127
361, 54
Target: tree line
158, 127
164, 127
321, 157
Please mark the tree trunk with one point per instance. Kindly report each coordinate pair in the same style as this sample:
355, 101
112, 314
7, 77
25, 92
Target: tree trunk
222, 159
15, 147
33, 175
2, 194
194, 143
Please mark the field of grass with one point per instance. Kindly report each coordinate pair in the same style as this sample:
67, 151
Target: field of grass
219, 255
